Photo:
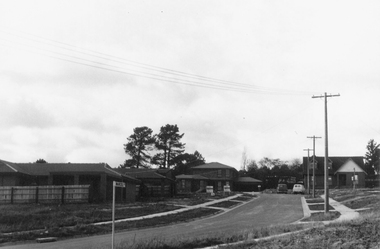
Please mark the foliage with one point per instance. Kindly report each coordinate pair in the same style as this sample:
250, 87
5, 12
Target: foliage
168, 141
139, 143
41, 161
183, 162
271, 171
372, 158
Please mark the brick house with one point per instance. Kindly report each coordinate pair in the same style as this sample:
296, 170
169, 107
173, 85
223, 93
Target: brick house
154, 182
98, 175
214, 174
341, 171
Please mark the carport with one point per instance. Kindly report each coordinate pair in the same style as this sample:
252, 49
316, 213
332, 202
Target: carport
247, 184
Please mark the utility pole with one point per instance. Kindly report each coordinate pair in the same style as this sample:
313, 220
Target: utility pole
326, 151
308, 177
314, 137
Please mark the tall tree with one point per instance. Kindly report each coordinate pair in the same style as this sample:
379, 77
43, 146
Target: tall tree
138, 146
270, 163
168, 141
372, 158
244, 160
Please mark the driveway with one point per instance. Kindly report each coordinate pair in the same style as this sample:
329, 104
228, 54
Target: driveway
268, 209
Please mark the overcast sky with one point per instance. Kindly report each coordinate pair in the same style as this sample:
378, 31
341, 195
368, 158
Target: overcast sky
77, 77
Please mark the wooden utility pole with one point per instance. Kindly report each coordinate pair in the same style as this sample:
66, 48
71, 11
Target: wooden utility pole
308, 170
326, 151
314, 137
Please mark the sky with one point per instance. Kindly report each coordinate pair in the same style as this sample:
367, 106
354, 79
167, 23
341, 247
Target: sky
76, 77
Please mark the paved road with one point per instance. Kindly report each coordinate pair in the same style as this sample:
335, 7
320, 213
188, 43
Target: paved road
264, 211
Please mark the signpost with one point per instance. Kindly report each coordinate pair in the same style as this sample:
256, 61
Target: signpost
119, 185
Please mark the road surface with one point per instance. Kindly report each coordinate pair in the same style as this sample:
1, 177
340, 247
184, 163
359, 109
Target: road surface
268, 209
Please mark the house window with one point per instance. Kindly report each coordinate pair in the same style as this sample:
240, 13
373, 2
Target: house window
219, 173
311, 165
183, 184
227, 173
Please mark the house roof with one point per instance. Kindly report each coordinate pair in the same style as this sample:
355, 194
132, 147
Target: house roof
247, 179
141, 173
337, 162
6, 167
45, 169
195, 177
213, 165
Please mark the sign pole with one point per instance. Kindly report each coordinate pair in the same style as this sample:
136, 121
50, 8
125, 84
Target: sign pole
113, 214
114, 185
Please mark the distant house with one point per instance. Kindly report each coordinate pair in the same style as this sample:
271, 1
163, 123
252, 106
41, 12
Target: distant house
341, 171
98, 175
154, 182
248, 184
214, 174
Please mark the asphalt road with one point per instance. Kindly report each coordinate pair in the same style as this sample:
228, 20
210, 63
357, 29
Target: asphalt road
268, 209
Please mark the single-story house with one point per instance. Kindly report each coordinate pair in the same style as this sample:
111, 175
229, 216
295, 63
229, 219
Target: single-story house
216, 175
154, 182
99, 176
248, 184
342, 171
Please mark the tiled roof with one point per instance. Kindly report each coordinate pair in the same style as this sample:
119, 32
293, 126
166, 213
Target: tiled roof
247, 179
213, 165
45, 169
195, 177
142, 173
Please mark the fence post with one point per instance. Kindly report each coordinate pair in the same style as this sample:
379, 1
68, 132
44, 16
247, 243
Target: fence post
36, 194
63, 195
11, 195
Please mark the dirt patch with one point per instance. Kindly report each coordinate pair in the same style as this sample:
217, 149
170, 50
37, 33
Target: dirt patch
225, 204
315, 200
318, 207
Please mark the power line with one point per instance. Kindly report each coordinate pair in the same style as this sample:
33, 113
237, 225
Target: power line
202, 81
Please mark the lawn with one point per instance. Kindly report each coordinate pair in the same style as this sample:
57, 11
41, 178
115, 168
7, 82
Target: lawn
24, 217
31, 221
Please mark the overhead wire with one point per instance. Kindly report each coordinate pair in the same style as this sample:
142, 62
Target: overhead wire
186, 78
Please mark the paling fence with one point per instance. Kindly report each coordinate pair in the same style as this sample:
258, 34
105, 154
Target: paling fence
45, 194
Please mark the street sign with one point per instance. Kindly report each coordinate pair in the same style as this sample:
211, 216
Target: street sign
119, 184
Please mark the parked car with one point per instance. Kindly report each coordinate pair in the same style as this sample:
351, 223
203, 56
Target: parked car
298, 188
282, 188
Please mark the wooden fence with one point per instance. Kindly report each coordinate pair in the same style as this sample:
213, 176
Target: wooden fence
45, 194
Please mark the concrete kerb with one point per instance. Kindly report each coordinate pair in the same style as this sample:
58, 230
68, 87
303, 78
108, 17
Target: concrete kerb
346, 214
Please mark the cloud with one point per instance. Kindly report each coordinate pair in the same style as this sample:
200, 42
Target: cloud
26, 113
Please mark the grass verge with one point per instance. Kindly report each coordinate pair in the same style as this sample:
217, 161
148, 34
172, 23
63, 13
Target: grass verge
27, 217
322, 216
85, 229
189, 243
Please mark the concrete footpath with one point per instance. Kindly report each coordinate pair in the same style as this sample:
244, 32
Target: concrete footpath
346, 214
185, 208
